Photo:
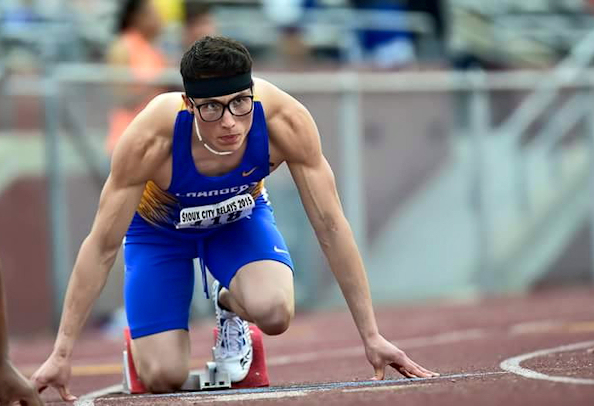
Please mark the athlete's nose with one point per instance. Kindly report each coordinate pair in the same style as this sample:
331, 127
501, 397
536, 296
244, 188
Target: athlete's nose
227, 121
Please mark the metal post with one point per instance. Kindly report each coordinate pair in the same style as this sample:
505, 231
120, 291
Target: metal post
590, 134
56, 195
479, 127
521, 179
352, 187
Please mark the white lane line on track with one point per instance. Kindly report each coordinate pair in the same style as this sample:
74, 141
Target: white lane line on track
513, 364
382, 388
535, 326
245, 396
225, 394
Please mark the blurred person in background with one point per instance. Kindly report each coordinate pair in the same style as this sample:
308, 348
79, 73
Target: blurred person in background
14, 387
198, 22
383, 47
472, 43
20, 15
186, 182
171, 11
291, 50
20, 52
432, 46
138, 28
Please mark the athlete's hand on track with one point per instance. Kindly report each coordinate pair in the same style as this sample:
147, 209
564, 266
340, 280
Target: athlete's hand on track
380, 352
54, 372
14, 387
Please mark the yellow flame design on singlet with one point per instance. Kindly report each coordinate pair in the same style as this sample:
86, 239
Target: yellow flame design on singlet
157, 206
257, 189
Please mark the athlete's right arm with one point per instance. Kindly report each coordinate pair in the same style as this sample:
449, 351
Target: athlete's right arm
134, 161
117, 205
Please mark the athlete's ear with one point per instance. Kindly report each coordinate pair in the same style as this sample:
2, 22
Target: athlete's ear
188, 103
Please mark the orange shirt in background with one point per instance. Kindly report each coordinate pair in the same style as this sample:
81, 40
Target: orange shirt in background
146, 63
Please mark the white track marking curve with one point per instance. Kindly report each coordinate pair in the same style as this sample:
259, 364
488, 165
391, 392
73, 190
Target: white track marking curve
513, 364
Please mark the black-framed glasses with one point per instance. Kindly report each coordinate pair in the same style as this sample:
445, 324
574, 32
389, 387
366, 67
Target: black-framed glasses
214, 110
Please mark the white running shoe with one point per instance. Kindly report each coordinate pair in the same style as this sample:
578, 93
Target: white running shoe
233, 349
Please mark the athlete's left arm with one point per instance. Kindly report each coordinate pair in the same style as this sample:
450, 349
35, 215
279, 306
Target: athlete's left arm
317, 187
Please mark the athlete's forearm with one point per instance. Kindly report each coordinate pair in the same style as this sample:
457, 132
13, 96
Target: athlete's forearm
347, 266
86, 282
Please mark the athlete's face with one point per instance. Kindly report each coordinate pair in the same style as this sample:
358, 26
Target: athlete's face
224, 121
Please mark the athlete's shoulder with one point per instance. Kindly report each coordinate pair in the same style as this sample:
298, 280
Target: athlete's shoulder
274, 100
146, 143
154, 123
163, 110
290, 125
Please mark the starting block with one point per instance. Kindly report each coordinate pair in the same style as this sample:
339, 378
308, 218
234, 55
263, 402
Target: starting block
132, 383
208, 378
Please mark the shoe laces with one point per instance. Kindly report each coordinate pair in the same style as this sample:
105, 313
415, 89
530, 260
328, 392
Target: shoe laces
232, 337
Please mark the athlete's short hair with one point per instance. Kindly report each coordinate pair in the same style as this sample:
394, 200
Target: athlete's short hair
216, 56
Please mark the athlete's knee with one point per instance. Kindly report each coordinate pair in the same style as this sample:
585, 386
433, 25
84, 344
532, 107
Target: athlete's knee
273, 316
163, 377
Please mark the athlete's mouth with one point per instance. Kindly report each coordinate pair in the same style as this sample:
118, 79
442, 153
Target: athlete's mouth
229, 139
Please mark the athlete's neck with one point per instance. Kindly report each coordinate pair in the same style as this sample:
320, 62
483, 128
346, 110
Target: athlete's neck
210, 164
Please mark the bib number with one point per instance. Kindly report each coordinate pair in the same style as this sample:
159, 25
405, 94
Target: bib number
227, 211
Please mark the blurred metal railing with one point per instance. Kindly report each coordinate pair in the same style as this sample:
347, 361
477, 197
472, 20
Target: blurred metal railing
568, 71
325, 82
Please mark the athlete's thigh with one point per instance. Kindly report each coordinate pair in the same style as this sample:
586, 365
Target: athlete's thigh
255, 239
159, 281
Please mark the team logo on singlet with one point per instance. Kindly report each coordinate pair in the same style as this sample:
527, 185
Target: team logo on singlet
219, 192
212, 215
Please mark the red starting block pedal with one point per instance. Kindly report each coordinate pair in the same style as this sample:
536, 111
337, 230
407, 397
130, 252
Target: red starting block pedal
258, 375
207, 379
132, 383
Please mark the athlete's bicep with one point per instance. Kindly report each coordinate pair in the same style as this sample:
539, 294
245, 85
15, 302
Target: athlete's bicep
300, 143
136, 159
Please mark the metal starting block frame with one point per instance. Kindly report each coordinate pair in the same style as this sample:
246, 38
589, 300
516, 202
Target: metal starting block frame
204, 379
209, 378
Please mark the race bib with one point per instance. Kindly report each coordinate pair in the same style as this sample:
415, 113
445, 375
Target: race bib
227, 211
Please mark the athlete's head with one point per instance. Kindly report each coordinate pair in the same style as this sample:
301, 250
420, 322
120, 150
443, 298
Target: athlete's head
219, 91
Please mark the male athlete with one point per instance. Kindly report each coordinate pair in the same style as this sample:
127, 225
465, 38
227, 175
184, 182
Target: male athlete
187, 181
